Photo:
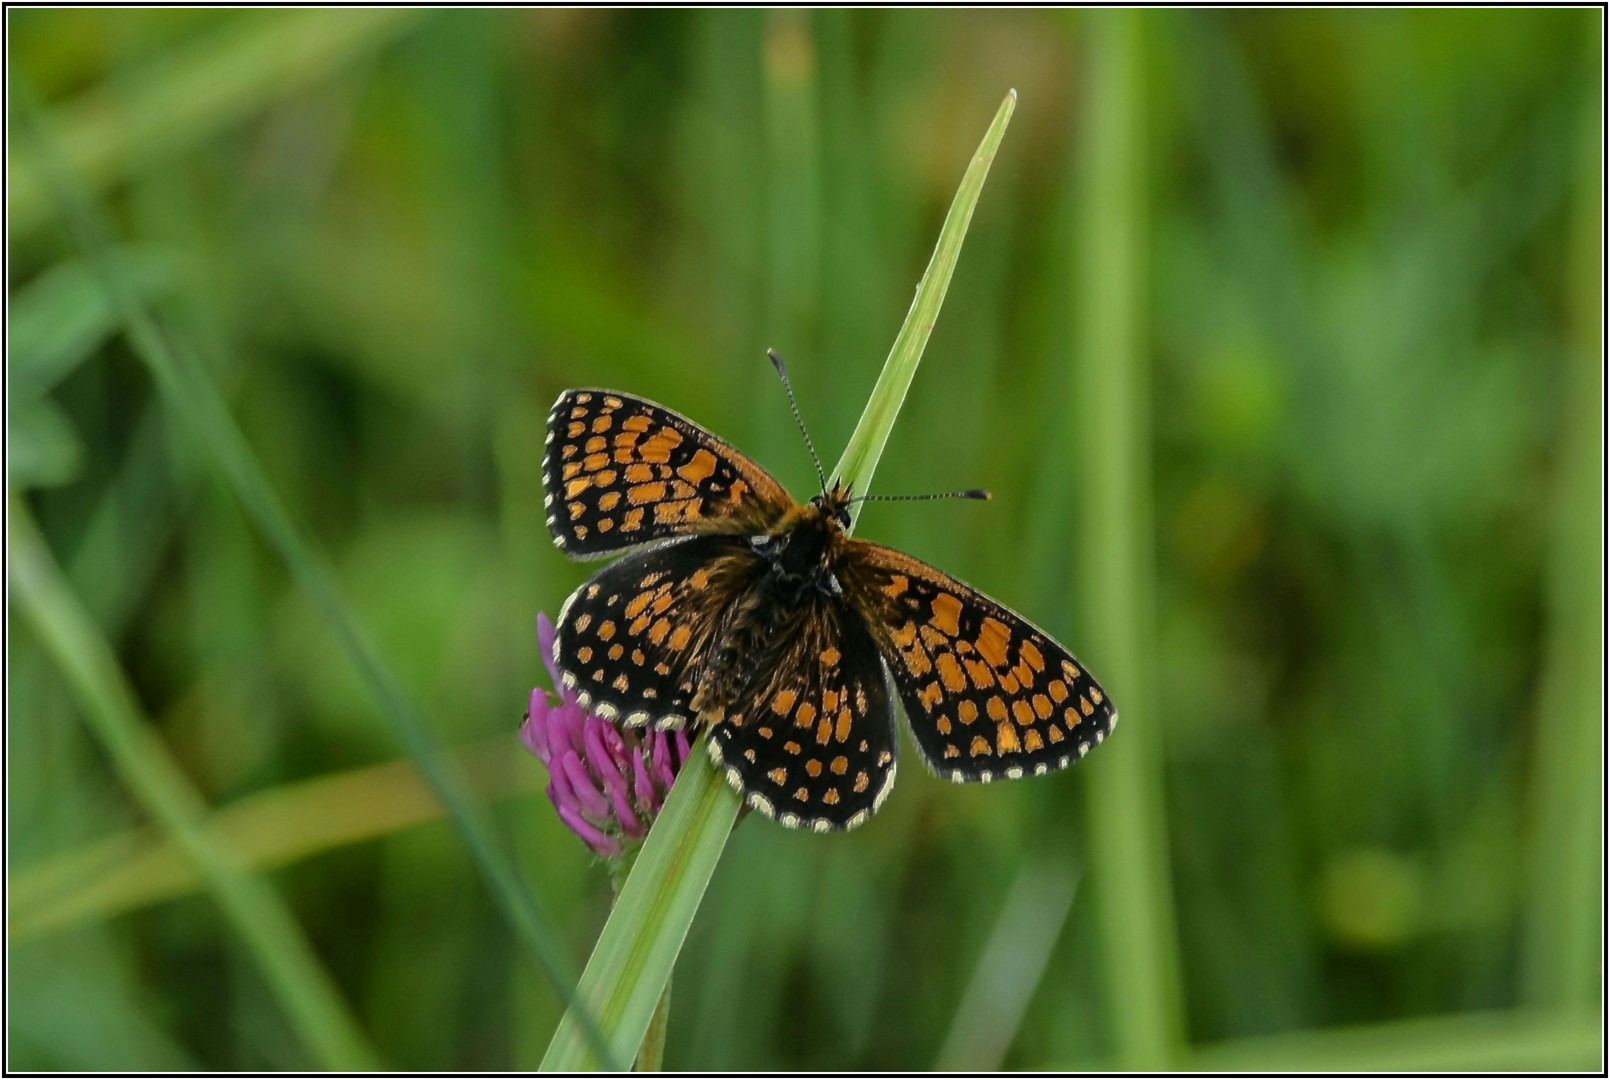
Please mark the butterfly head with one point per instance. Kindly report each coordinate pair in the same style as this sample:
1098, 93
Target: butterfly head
834, 504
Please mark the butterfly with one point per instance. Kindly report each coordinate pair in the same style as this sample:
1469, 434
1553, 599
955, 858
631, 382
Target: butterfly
762, 617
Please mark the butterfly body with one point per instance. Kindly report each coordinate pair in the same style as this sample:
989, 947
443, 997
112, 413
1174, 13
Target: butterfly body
764, 618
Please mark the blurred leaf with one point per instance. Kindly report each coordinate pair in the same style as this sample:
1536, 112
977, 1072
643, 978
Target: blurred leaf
304, 989
265, 830
1481, 1042
185, 96
63, 316
1010, 968
42, 449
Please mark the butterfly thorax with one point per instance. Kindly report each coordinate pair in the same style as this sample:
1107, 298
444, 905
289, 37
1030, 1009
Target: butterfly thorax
796, 575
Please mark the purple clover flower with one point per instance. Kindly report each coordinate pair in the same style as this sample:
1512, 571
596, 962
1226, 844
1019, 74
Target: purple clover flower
608, 783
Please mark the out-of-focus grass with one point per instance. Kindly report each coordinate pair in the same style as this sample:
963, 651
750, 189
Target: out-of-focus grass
188, 391
1109, 426
303, 988
1356, 306
274, 828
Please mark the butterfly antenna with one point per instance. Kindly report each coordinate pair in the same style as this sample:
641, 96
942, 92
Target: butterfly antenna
971, 493
777, 362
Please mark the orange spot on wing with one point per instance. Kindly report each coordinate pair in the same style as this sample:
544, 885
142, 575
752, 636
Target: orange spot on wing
783, 702
841, 730
632, 520
1022, 713
946, 610
950, 673
577, 486
861, 782
993, 638
840, 764
680, 636
980, 745
639, 474
824, 731
996, 708
813, 767
657, 447
700, 466
644, 493
1006, 739
967, 712
1042, 706
979, 673
930, 695
1028, 652
1059, 691
657, 632
830, 656
637, 423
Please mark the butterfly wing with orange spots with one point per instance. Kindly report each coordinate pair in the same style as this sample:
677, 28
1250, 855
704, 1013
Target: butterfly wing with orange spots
988, 695
632, 639
621, 471
812, 743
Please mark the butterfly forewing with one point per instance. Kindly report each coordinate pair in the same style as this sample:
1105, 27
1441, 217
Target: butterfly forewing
621, 471
813, 742
988, 695
632, 639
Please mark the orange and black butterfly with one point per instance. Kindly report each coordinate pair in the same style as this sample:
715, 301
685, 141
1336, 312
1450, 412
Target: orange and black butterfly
762, 617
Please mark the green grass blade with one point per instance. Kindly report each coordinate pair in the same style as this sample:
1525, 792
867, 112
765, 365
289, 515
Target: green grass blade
190, 393
62, 317
637, 950
268, 829
194, 93
861, 456
305, 990
1500, 1042
1566, 916
1129, 861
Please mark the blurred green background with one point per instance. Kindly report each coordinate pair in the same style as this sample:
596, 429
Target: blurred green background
1364, 333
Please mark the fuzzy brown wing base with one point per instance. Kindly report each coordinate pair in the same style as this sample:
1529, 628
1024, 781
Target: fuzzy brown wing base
632, 638
813, 744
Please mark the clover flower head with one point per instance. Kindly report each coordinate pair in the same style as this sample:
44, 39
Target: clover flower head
607, 782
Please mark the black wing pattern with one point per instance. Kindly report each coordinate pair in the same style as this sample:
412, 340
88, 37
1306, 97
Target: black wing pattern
812, 744
620, 471
633, 637
989, 696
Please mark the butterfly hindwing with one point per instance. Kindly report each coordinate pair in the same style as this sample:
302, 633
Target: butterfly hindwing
632, 639
988, 695
813, 743
621, 471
